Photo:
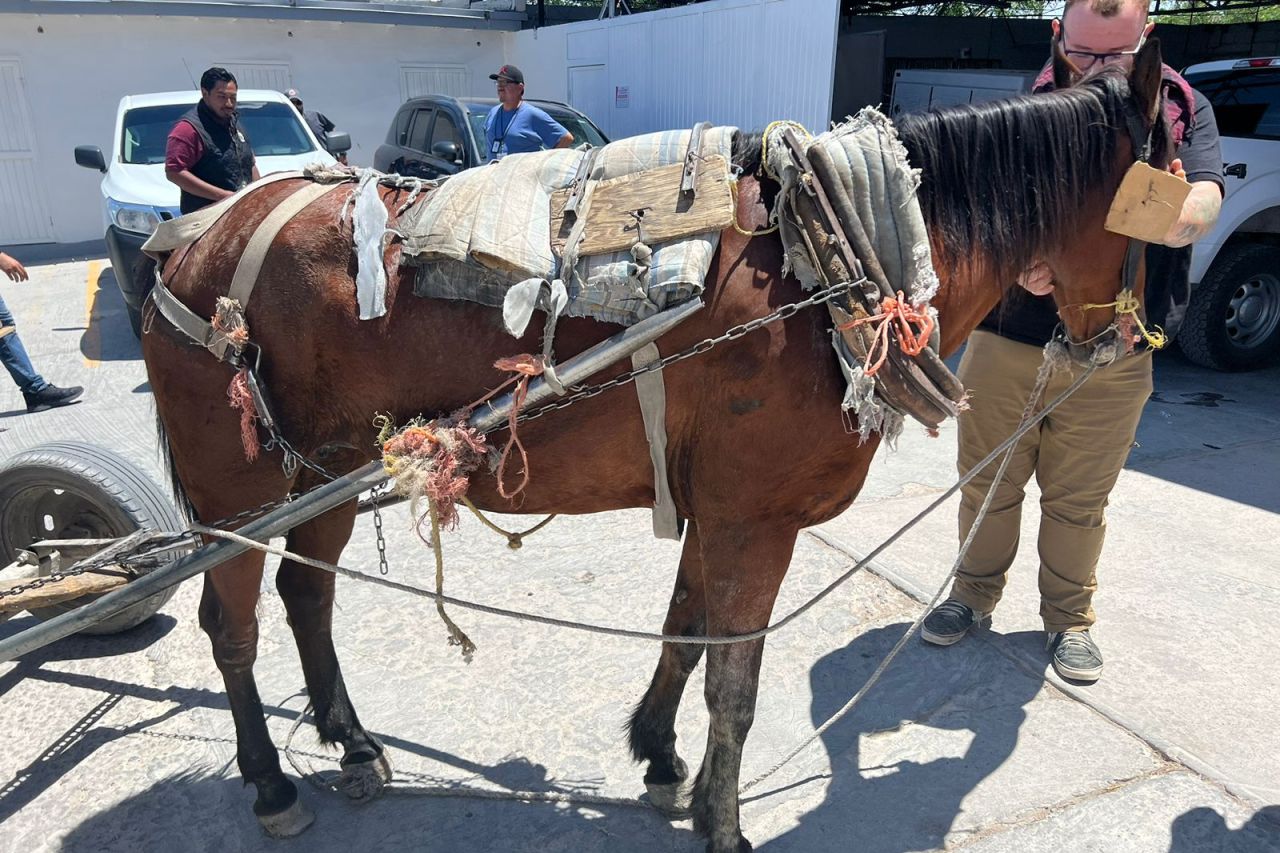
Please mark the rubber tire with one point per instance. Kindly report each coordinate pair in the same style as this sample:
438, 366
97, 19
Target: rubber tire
126, 497
1203, 337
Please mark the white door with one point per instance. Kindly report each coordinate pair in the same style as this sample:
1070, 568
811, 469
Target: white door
419, 80
589, 93
261, 75
24, 213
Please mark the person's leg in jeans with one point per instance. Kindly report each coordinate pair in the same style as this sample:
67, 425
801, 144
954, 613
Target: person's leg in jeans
14, 355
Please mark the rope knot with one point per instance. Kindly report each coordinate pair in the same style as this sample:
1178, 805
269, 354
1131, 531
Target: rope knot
910, 325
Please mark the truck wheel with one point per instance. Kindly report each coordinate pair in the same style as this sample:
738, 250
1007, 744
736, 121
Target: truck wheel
1233, 318
70, 490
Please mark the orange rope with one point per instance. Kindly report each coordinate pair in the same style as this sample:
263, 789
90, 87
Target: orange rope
897, 316
523, 368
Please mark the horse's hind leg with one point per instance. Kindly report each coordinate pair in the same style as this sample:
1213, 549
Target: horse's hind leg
652, 728
743, 566
307, 593
227, 615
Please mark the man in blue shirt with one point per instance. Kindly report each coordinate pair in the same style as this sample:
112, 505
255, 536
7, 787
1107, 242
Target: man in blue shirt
514, 127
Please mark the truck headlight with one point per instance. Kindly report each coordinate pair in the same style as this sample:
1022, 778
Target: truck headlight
138, 218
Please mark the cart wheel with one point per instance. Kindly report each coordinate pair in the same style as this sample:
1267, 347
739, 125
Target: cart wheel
70, 490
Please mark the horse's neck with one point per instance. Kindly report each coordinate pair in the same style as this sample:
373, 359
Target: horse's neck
965, 295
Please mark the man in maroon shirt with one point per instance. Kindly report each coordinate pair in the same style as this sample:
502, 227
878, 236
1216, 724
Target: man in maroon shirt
208, 155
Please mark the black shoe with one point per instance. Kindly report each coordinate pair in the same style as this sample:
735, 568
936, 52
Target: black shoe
1076, 655
947, 623
51, 397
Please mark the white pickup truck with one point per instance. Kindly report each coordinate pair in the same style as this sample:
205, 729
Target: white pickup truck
1233, 318
136, 195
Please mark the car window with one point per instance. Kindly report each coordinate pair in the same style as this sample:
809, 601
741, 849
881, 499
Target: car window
583, 131
274, 129
1245, 103
146, 133
445, 130
420, 131
476, 117
400, 130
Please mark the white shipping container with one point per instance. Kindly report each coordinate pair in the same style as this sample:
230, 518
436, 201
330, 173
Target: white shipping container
916, 89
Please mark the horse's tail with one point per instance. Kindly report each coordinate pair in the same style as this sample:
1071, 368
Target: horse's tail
144, 276
185, 507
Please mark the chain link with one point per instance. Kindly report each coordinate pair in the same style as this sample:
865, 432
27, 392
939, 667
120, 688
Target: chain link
375, 494
581, 392
144, 555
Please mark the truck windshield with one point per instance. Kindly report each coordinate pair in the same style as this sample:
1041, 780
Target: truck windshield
274, 129
1246, 103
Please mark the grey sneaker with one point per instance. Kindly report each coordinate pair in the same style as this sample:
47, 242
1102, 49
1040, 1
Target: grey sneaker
1075, 655
947, 623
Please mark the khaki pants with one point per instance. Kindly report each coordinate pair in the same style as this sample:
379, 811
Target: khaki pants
1076, 454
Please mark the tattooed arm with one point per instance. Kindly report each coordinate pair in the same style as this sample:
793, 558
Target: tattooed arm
1199, 211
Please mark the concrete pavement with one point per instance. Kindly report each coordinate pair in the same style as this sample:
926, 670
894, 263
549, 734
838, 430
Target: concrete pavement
126, 742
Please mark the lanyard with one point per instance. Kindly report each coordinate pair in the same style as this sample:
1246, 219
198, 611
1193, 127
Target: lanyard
500, 138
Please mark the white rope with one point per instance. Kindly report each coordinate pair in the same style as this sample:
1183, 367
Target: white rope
1052, 358
680, 639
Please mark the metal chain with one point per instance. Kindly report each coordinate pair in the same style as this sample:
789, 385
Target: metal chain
583, 392
293, 458
376, 493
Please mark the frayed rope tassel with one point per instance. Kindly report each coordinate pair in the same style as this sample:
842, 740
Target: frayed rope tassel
433, 460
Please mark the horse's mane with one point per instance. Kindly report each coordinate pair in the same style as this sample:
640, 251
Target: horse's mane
1007, 179
1053, 151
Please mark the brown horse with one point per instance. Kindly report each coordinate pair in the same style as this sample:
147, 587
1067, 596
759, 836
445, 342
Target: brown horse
757, 446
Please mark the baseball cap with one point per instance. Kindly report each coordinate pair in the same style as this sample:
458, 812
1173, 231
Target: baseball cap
509, 72
293, 95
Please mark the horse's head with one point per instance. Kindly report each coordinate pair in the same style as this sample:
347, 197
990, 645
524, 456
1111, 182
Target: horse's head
1091, 267
1007, 183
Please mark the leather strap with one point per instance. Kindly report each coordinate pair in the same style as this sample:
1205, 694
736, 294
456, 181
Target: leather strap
255, 253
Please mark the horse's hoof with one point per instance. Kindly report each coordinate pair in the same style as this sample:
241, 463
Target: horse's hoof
675, 800
744, 846
288, 823
364, 780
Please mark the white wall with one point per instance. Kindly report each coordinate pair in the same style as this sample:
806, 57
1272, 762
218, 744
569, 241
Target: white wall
75, 72
735, 62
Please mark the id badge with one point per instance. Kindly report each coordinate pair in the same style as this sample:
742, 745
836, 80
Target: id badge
496, 147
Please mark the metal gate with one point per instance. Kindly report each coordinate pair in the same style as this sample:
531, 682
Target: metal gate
24, 215
418, 80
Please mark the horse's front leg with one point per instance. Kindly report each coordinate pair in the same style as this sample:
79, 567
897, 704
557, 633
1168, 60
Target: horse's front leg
308, 594
227, 615
652, 729
744, 562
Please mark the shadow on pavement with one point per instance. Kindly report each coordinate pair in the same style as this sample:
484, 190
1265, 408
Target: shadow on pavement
109, 336
1212, 432
208, 808
880, 798
1203, 830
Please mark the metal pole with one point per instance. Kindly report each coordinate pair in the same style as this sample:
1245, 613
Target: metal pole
589, 362
334, 494
274, 523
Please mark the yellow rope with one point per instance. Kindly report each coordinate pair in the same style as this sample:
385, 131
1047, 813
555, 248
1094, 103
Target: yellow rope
764, 145
456, 635
514, 539
1127, 303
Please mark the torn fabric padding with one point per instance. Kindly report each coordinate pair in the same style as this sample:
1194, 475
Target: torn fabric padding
490, 228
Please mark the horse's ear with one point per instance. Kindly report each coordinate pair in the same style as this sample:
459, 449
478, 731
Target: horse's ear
1146, 77
1064, 70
